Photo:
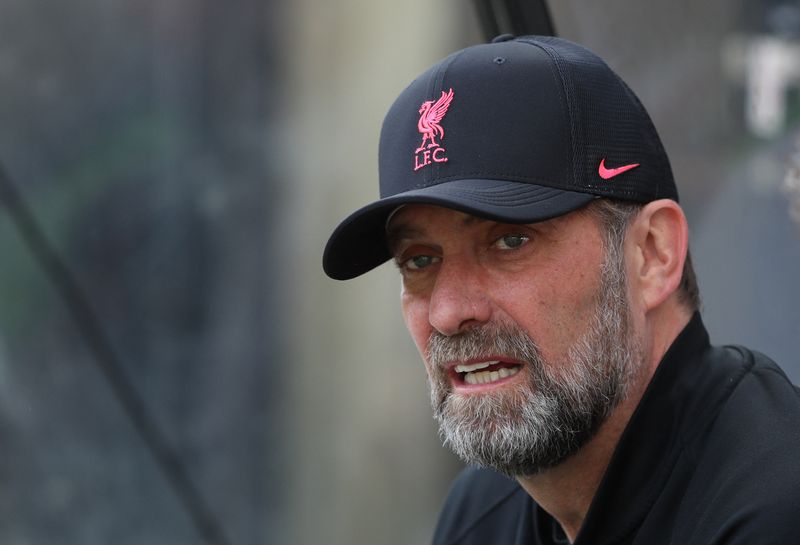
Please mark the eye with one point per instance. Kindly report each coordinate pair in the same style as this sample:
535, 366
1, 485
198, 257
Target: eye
511, 241
418, 262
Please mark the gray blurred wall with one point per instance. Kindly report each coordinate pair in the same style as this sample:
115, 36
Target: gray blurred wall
366, 463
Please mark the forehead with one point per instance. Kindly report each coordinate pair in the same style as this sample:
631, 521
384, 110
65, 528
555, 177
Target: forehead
419, 219
422, 219
423, 214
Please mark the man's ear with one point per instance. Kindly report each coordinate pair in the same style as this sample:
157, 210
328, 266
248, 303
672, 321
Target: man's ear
659, 241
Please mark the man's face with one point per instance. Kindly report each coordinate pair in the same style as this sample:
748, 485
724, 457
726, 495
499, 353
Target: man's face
524, 330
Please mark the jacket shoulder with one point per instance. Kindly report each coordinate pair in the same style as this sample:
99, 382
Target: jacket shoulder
747, 483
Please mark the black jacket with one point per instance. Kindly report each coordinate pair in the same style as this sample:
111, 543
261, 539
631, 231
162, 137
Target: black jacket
710, 456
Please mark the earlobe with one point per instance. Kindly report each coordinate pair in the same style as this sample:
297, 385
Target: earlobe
661, 239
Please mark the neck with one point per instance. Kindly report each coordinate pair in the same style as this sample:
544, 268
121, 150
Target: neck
566, 491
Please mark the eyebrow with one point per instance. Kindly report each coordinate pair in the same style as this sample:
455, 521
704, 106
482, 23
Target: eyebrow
470, 220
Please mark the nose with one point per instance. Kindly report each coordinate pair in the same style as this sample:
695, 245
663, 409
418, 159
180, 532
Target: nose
459, 299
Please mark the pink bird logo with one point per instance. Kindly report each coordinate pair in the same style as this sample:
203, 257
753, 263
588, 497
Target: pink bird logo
431, 114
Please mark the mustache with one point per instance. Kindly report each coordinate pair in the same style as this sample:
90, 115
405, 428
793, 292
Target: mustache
485, 341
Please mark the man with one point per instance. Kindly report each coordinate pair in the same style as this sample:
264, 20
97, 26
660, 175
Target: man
530, 208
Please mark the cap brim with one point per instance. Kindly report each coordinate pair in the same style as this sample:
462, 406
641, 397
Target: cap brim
358, 244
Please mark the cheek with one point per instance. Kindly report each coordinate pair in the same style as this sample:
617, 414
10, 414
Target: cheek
415, 315
554, 306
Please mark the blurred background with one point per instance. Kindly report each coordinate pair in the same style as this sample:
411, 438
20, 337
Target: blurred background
175, 368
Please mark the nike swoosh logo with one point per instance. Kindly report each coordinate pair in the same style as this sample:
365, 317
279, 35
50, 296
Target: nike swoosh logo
608, 173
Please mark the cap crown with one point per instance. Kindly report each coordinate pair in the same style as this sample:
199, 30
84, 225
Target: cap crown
538, 110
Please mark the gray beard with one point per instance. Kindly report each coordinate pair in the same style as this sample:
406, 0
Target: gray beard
529, 428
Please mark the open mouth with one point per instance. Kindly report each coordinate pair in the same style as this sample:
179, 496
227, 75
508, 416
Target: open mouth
486, 372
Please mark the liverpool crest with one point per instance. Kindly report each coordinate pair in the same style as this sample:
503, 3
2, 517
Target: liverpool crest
430, 116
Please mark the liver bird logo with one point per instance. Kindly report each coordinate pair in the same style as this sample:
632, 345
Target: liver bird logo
430, 115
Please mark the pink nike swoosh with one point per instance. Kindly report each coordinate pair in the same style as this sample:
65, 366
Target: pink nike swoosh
608, 173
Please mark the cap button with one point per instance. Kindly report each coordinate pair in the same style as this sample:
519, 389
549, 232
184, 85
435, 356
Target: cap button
502, 38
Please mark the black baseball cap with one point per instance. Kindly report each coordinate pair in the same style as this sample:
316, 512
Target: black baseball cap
520, 130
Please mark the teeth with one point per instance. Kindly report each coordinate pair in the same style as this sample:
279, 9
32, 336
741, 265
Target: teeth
486, 377
474, 366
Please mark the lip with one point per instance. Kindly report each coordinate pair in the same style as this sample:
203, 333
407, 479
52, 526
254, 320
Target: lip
451, 365
457, 380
